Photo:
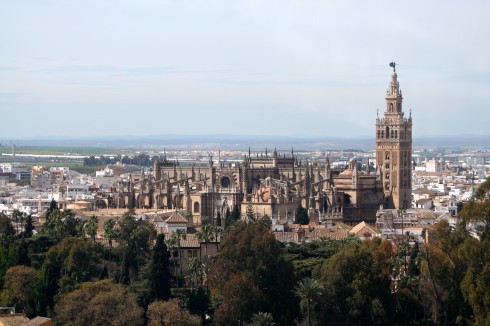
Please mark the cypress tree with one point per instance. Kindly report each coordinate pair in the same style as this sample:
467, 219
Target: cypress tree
218, 219
159, 275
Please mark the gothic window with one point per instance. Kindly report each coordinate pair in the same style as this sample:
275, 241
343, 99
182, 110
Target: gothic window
392, 134
396, 134
387, 132
391, 107
382, 134
379, 133
196, 207
225, 182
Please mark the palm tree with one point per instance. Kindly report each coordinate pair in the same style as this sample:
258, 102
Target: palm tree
218, 231
196, 269
173, 247
205, 235
109, 231
262, 319
308, 290
92, 226
180, 234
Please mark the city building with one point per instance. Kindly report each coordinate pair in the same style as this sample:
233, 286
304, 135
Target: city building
275, 184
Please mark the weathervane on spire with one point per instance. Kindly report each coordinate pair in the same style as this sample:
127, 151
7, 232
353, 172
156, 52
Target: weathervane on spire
393, 65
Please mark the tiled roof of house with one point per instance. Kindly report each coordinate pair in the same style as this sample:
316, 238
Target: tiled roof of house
428, 215
13, 319
285, 236
39, 321
176, 218
423, 201
362, 229
334, 233
190, 241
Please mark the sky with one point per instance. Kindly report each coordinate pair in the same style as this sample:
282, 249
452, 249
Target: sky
285, 68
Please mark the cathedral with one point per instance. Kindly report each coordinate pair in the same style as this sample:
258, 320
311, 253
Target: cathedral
274, 184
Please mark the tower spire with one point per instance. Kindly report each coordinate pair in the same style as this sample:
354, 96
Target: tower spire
394, 148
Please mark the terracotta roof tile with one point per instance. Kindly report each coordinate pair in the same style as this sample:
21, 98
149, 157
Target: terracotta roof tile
176, 218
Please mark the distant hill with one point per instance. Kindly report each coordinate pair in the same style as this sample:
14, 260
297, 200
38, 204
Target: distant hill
241, 142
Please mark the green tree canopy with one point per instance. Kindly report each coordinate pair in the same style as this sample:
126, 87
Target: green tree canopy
355, 290
250, 275
170, 313
99, 303
301, 216
19, 289
159, 275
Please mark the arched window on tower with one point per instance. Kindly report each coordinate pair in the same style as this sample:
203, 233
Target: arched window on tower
387, 132
391, 107
396, 134
196, 207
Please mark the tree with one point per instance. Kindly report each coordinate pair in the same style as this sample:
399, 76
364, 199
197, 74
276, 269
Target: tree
170, 313
266, 221
262, 319
205, 234
19, 289
250, 275
356, 292
198, 302
235, 213
89, 305
445, 261
217, 234
180, 235
19, 218
53, 206
7, 230
250, 213
92, 226
70, 262
301, 215
196, 269
218, 219
309, 291
159, 275
61, 224
28, 227
227, 217
110, 231
173, 247
135, 237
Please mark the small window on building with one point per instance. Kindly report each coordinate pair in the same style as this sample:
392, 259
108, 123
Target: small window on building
196, 207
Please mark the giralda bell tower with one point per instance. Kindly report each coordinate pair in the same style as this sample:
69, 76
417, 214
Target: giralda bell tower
394, 149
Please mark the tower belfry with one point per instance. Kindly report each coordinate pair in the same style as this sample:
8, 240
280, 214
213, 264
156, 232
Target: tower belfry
394, 148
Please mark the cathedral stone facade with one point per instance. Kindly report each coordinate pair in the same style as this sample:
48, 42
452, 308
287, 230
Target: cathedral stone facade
275, 184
